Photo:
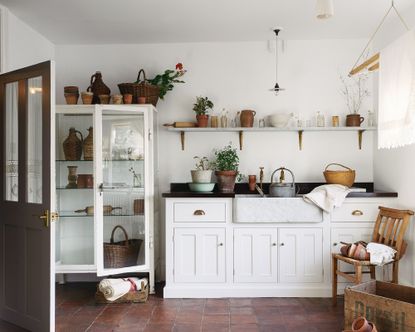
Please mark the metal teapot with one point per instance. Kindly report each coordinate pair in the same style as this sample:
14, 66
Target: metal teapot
282, 189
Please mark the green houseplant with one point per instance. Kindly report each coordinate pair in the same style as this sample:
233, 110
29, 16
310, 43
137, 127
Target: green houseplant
226, 166
166, 81
203, 171
201, 108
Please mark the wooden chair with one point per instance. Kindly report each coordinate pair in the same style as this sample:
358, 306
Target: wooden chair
390, 228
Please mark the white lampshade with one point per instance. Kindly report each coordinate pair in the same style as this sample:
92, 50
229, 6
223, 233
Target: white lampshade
324, 9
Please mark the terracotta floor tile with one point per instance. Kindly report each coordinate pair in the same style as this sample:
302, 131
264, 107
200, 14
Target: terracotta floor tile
218, 302
159, 327
240, 302
243, 319
216, 319
187, 328
214, 327
245, 328
215, 310
242, 310
189, 317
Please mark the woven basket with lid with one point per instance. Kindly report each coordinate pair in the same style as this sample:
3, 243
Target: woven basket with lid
344, 177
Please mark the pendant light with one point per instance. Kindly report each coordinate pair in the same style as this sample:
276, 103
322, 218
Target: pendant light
276, 88
324, 9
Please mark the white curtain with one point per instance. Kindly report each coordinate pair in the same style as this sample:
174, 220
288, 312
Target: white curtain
396, 118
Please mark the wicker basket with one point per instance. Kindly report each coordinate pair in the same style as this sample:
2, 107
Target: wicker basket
141, 89
139, 296
122, 253
346, 178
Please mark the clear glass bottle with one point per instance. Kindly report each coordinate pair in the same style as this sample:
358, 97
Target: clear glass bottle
320, 121
371, 119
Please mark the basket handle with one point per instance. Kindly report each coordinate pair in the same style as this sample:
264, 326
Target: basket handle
139, 75
124, 231
82, 137
338, 165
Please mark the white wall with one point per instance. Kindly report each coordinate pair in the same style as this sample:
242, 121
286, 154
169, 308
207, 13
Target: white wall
236, 76
23, 46
394, 168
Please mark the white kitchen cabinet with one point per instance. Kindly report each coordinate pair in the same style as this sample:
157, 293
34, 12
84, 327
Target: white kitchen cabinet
121, 171
300, 255
199, 255
255, 255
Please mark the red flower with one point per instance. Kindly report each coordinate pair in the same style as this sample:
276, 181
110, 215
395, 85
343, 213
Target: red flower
179, 66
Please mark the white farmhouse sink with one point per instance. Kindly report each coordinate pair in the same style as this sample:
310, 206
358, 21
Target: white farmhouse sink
257, 209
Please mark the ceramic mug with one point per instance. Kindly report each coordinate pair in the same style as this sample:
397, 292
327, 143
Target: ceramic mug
354, 120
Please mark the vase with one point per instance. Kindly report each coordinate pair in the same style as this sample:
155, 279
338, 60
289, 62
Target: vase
72, 177
247, 118
98, 87
72, 145
354, 120
89, 145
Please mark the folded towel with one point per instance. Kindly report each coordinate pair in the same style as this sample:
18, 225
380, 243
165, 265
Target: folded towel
113, 289
327, 196
380, 254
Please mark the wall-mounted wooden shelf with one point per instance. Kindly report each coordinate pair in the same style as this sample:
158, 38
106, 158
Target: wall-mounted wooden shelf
299, 131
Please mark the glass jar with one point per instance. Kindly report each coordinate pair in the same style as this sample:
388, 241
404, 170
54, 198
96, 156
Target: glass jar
320, 121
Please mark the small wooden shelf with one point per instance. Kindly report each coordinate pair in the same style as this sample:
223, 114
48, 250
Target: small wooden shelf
299, 131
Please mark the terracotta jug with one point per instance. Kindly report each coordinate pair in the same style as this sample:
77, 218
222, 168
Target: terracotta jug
72, 145
98, 87
247, 118
89, 145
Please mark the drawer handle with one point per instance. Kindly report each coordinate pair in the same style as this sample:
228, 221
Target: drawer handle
357, 213
274, 244
199, 213
335, 244
220, 244
282, 244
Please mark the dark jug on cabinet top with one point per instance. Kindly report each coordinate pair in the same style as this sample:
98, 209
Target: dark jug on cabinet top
98, 87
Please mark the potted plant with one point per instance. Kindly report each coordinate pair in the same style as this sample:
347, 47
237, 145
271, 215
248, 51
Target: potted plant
166, 81
355, 92
226, 166
203, 171
201, 107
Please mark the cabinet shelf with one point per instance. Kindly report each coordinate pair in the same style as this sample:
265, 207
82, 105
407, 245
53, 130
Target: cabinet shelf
105, 216
299, 131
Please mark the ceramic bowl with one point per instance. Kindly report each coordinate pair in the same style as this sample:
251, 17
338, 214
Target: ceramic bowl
201, 187
279, 120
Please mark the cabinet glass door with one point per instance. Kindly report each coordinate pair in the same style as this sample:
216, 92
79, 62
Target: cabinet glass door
74, 190
123, 231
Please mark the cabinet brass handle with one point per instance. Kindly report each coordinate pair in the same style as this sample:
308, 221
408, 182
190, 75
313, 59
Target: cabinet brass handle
199, 213
357, 213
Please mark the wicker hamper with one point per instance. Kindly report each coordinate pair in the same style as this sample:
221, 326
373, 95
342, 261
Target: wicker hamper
122, 253
141, 89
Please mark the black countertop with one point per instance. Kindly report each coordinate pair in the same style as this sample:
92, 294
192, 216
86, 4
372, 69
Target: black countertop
181, 190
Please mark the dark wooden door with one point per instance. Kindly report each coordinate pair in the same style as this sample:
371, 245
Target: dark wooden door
26, 258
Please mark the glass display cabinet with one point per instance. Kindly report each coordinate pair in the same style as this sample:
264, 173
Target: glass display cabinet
105, 170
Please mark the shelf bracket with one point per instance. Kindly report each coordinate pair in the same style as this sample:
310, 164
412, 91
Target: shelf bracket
300, 139
241, 140
360, 138
182, 139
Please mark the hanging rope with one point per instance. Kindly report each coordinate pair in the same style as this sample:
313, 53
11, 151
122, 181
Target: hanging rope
377, 30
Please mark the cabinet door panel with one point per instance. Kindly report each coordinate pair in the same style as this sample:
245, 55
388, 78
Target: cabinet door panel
199, 255
255, 255
300, 255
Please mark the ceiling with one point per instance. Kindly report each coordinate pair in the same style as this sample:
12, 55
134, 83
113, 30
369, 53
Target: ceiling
156, 21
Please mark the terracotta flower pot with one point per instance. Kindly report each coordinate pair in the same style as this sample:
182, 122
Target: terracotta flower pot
226, 180
71, 98
202, 120
354, 120
360, 324
87, 97
128, 98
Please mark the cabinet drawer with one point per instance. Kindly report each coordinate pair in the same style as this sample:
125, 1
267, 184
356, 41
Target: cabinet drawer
350, 212
200, 211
